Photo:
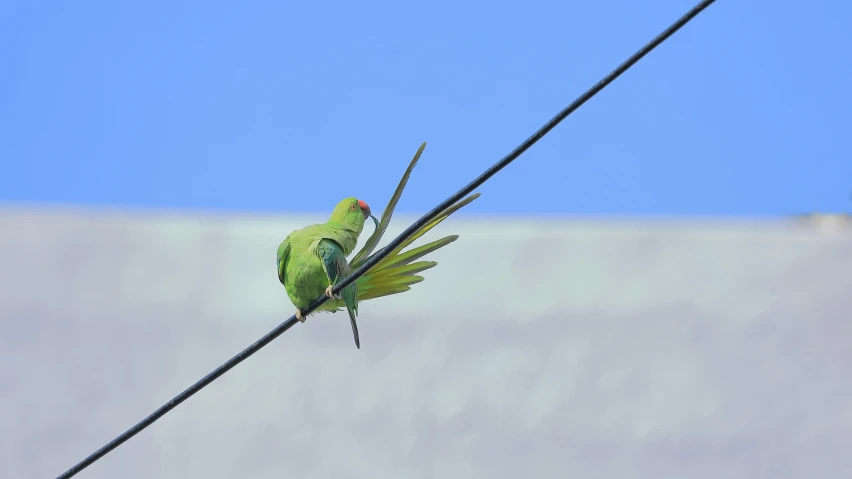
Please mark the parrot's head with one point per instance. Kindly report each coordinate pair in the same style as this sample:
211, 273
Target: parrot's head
351, 213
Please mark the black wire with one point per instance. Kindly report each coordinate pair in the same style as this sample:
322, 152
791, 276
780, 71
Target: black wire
381, 254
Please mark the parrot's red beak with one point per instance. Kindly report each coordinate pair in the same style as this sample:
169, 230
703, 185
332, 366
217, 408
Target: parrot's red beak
364, 208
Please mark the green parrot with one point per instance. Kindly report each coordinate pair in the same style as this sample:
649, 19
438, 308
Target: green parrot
312, 260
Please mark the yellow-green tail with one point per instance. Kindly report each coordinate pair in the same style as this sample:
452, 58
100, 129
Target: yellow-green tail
398, 271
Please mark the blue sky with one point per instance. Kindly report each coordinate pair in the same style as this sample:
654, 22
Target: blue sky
290, 106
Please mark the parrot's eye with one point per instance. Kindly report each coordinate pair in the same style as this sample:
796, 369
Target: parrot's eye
352, 207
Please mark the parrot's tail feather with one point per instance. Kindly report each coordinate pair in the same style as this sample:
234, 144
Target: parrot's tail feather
414, 254
388, 286
444, 215
382, 293
413, 268
354, 329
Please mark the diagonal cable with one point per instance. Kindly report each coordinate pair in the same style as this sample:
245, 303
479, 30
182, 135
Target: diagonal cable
381, 254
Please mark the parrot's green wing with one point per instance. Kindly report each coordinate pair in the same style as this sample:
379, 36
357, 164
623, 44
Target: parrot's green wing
392, 258
398, 277
382, 226
397, 272
281, 259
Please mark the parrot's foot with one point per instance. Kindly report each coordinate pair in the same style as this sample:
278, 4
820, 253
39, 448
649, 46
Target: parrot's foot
299, 315
330, 294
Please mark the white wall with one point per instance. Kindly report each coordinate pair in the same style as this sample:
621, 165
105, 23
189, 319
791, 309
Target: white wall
535, 349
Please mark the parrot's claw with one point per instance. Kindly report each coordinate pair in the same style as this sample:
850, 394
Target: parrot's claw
330, 293
299, 315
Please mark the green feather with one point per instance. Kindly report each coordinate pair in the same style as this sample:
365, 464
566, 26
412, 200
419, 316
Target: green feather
382, 226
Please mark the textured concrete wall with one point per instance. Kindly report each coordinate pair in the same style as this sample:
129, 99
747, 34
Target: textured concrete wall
535, 349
